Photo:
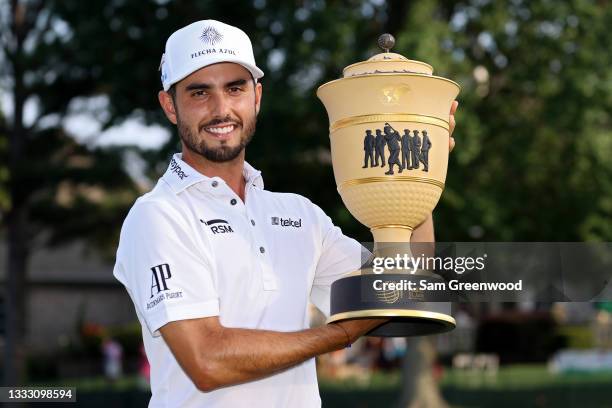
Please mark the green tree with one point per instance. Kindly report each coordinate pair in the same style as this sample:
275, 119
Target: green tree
532, 162
56, 189
533, 140
532, 159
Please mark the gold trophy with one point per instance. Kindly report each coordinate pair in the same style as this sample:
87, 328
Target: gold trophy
389, 135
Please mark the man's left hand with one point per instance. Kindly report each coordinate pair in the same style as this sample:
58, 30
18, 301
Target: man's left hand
451, 122
425, 231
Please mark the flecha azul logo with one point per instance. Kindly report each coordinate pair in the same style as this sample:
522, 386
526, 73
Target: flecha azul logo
210, 36
218, 226
287, 222
413, 150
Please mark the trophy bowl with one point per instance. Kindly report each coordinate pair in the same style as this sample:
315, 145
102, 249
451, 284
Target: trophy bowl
389, 136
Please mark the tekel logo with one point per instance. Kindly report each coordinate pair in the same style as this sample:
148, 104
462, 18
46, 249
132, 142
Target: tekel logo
287, 222
218, 226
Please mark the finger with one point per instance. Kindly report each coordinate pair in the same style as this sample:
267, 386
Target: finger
451, 144
451, 125
454, 107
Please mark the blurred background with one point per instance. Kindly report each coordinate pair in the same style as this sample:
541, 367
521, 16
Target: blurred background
82, 135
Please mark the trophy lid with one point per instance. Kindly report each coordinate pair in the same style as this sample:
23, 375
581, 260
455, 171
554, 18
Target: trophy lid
387, 62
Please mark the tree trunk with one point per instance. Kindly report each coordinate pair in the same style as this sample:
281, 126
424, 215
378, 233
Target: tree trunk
17, 219
14, 358
420, 387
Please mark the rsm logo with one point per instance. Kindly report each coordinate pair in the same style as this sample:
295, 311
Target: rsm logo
218, 226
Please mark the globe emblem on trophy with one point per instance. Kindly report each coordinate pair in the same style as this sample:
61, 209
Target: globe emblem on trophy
389, 136
390, 296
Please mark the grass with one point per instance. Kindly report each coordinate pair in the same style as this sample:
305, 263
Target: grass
527, 376
126, 383
513, 386
517, 385
523, 376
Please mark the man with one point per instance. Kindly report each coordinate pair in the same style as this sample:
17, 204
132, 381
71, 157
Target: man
416, 150
380, 148
368, 147
220, 270
406, 150
393, 142
425, 146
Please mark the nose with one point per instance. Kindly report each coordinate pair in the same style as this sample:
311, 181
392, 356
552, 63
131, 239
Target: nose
221, 106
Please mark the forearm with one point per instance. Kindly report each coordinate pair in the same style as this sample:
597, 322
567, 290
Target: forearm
241, 355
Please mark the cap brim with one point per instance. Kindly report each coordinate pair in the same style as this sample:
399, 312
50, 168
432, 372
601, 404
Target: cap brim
255, 72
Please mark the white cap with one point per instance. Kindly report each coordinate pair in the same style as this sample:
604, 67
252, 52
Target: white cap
205, 43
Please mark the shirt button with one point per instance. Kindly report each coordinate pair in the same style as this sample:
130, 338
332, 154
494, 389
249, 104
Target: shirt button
253, 222
233, 201
215, 183
262, 249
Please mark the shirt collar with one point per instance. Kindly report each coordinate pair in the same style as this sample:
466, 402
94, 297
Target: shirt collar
180, 175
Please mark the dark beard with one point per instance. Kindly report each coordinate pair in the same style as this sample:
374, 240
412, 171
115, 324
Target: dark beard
222, 153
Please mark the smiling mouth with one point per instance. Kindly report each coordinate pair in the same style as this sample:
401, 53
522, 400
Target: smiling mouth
221, 130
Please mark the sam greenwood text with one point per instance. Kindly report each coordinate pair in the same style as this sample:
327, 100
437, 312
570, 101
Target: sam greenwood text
453, 284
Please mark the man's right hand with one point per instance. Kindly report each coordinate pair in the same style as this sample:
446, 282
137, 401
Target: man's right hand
356, 328
214, 356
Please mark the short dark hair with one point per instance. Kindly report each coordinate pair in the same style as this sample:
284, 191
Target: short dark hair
172, 92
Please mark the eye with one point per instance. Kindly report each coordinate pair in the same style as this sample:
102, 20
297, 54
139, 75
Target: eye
234, 90
199, 93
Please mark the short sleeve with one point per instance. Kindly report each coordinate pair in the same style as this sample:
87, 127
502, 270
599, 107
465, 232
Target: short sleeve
166, 273
340, 255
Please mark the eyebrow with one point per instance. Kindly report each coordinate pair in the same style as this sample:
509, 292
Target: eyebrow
203, 85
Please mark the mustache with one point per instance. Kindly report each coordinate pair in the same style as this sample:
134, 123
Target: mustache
218, 121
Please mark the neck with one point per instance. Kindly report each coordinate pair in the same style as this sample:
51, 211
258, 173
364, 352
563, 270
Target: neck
230, 171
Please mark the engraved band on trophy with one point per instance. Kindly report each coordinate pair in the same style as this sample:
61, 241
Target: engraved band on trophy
389, 136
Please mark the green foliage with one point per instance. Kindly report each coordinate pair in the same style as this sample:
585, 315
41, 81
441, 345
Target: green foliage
533, 138
298, 45
58, 188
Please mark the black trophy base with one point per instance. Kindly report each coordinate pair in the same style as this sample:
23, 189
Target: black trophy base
412, 312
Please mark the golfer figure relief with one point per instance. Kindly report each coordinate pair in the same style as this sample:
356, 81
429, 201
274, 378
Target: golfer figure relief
406, 149
425, 146
414, 150
380, 148
368, 147
393, 143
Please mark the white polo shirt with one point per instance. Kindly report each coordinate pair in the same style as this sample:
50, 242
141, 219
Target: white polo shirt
191, 248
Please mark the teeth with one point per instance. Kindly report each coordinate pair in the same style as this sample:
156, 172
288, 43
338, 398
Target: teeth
220, 131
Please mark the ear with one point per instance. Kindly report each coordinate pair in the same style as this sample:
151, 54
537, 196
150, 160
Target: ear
258, 92
167, 104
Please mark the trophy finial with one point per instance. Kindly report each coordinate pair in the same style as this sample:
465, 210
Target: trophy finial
386, 41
